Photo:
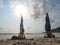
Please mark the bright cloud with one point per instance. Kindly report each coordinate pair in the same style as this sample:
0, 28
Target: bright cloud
37, 8
13, 3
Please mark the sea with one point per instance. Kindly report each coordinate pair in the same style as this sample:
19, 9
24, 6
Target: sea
27, 35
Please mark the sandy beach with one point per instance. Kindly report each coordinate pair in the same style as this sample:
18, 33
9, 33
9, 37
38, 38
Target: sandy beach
34, 41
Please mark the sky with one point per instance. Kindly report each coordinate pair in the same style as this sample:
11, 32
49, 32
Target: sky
33, 12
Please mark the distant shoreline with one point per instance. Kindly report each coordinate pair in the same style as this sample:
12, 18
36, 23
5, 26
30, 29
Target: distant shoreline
25, 33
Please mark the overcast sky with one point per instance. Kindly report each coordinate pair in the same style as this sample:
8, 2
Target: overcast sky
33, 13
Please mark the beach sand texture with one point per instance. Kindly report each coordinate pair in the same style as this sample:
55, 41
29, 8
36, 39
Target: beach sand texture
35, 41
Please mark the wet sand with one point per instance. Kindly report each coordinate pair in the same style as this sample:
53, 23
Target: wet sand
34, 41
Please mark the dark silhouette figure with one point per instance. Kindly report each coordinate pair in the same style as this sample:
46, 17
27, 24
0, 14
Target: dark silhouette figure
47, 25
21, 33
21, 25
48, 28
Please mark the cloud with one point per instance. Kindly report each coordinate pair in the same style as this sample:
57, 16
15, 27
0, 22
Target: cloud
56, 24
13, 3
51, 17
37, 8
52, 20
1, 4
51, 7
